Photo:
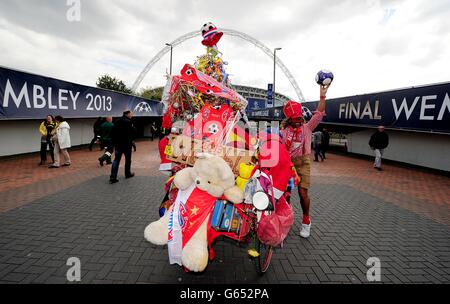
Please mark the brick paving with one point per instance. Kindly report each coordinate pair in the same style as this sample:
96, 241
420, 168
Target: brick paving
400, 215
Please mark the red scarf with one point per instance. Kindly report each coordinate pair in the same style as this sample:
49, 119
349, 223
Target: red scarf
293, 134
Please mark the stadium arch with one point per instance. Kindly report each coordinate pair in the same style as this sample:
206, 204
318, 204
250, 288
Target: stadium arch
230, 32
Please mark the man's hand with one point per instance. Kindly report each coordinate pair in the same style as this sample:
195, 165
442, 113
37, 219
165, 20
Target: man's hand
323, 94
323, 90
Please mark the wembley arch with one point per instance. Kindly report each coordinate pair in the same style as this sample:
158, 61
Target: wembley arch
230, 32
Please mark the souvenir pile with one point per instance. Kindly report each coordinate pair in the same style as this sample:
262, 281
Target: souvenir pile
213, 161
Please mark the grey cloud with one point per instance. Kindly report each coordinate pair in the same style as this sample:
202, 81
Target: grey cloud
49, 17
121, 36
393, 45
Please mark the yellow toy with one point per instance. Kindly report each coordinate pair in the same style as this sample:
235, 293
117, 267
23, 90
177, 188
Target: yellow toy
245, 172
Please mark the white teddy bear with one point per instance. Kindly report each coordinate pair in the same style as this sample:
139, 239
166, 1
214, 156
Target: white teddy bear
212, 175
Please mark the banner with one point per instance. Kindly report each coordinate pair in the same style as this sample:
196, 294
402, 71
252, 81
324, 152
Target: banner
255, 104
270, 96
275, 113
29, 96
425, 109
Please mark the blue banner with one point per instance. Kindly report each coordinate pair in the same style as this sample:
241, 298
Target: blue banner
275, 113
29, 96
270, 96
424, 108
255, 104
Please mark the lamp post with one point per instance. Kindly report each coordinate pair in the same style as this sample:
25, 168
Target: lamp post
171, 47
274, 68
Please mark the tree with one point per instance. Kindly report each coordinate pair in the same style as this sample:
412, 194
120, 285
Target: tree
111, 83
152, 93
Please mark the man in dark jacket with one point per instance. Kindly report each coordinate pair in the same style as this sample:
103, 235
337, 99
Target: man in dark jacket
106, 140
123, 135
325, 141
378, 142
96, 128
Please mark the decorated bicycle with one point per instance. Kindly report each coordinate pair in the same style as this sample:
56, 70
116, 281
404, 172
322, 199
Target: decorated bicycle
225, 180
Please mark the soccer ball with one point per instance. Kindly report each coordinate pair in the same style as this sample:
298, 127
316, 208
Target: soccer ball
207, 27
324, 77
213, 128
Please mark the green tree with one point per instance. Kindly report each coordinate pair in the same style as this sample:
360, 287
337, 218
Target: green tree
152, 93
112, 83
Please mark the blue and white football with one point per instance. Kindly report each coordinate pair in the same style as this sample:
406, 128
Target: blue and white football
324, 77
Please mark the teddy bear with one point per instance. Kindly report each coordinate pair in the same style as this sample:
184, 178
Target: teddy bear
182, 145
199, 187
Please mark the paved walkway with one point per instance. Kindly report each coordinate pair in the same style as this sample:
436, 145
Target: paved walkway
399, 215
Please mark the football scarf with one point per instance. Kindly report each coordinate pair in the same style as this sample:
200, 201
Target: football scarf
192, 207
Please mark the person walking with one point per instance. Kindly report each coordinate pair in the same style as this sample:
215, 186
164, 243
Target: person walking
46, 128
317, 144
297, 136
61, 142
96, 127
123, 135
106, 141
378, 142
153, 130
325, 142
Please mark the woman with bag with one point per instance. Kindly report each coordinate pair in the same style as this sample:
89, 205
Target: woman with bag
61, 141
46, 128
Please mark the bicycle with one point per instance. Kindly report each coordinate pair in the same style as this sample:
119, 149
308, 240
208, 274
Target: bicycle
249, 217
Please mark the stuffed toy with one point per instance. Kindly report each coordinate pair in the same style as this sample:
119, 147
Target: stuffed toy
185, 227
245, 172
182, 145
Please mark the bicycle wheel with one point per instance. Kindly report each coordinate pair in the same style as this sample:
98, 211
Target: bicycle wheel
264, 258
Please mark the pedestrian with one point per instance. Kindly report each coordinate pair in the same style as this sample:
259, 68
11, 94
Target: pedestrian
325, 142
378, 142
297, 136
46, 128
96, 129
317, 144
153, 130
123, 135
162, 132
61, 142
106, 141
283, 124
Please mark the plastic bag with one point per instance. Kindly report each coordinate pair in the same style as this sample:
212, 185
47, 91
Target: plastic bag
273, 228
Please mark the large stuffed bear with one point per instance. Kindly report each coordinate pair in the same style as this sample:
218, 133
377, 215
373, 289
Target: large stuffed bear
184, 227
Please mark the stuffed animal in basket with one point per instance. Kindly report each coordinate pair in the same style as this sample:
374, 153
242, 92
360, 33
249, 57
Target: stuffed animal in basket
182, 145
184, 228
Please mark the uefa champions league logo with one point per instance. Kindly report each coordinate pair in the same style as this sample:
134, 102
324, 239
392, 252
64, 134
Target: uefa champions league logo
142, 107
307, 115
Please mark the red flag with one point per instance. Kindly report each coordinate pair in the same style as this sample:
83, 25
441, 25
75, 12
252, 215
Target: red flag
194, 212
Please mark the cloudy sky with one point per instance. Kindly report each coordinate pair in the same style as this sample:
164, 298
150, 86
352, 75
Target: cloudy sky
370, 45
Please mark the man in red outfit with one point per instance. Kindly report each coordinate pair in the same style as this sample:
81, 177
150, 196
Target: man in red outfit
297, 138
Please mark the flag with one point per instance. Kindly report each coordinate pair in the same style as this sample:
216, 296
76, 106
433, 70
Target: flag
192, 207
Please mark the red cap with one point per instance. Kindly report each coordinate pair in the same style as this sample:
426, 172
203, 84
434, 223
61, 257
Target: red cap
293, 109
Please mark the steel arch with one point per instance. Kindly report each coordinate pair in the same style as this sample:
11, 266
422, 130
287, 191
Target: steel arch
230, 32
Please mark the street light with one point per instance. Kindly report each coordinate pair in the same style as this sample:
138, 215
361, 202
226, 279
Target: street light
171, 47
274, 68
